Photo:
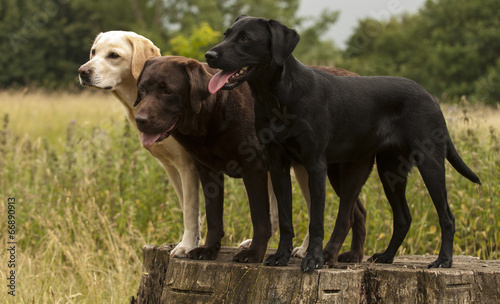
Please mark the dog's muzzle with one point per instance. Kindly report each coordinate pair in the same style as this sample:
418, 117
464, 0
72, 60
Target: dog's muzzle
211, 56
85, 73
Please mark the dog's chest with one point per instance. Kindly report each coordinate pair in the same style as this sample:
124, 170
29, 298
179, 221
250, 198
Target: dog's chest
218, 154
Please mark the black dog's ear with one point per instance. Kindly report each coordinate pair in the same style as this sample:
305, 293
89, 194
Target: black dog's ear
198, 81
283, 41
240, 17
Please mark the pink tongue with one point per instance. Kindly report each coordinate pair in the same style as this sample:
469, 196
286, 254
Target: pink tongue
219, 80
149, 139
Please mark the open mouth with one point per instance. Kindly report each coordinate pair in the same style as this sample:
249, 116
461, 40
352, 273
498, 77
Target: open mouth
229, 79
150, 139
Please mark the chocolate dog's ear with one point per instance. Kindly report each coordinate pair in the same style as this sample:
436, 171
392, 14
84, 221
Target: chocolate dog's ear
198, 81
283, 41
139, 99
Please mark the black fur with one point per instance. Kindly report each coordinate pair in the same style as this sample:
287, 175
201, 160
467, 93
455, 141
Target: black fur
339, 120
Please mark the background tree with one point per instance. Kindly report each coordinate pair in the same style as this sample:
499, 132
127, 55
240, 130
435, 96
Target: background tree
450, 47
44, 42
196, 44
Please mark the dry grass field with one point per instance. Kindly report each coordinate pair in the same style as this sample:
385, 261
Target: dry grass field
88, 197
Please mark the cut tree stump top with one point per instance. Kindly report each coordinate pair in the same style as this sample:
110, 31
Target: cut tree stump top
407, 280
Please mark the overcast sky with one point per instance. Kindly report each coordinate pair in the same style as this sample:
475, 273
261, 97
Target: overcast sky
353, 10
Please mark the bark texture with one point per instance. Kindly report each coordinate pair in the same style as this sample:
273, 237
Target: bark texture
173, 280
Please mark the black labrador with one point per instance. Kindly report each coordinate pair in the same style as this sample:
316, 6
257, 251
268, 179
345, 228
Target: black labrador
343, 120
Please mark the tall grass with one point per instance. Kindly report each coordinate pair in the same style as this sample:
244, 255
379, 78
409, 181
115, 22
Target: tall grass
89, 197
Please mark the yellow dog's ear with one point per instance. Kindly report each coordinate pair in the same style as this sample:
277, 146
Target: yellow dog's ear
198, 82
142, 49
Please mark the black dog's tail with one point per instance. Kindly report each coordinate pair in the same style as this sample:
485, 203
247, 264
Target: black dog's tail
457, 162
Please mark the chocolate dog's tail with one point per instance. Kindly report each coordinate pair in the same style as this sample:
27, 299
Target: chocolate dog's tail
457, 162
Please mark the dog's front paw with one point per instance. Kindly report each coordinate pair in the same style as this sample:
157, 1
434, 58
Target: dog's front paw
381, 258
299, 252
245, 244
441, 263
280, 258
181, 251
329, 258
203, 253
350, 257
248, 256
312, 261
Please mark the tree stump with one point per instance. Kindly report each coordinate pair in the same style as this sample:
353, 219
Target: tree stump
407, 280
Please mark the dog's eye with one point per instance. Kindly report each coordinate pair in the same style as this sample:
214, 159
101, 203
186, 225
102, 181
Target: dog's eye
93, 52
113, 55
244, 38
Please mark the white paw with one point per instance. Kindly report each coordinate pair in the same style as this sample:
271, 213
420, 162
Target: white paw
245, 244
300, 252
181, 250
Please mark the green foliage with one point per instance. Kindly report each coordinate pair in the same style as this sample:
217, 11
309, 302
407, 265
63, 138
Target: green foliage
195, 46
44, 42
487, 87
312, 48
450, 47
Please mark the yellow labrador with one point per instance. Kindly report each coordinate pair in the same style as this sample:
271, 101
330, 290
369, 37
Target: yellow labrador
116, 60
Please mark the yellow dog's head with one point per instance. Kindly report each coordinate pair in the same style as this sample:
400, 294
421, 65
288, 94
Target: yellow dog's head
116, 58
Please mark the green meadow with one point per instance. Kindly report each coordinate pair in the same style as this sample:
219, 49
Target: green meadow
88, 197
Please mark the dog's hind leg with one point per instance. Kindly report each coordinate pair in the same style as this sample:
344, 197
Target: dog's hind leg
190, 208
355, 254
303, 180
393, 172
433, 173
353, 176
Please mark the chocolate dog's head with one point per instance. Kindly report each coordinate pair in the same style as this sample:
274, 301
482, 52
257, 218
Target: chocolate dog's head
171, 91
249, 45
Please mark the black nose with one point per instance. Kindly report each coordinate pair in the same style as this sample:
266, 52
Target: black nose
141, 120
85, 72
210, 56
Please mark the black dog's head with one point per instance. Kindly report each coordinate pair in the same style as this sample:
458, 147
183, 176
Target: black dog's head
171, 91
249, 44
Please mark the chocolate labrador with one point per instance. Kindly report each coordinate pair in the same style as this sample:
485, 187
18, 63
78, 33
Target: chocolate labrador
175, 100
338, 120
